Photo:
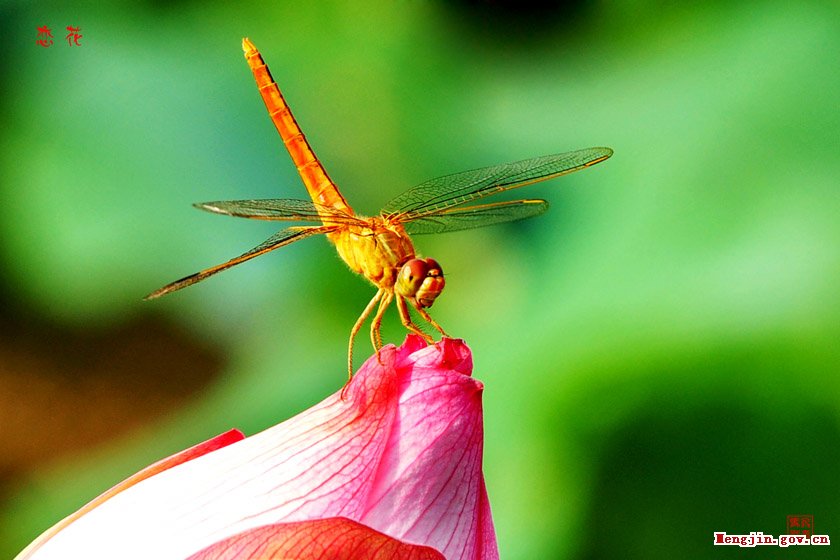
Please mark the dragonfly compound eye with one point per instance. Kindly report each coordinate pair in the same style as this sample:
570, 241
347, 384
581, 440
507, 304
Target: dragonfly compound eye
421, 280
432, 286
411, 277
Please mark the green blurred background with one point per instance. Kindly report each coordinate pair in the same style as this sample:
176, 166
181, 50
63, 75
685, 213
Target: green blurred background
660, 351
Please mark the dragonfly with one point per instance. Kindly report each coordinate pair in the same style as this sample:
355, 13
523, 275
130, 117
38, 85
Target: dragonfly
380, 247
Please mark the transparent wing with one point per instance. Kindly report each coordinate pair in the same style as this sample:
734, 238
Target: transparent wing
477, 216
279, 209
453, 190
279, 239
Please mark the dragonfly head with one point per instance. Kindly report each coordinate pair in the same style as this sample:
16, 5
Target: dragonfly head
420, 280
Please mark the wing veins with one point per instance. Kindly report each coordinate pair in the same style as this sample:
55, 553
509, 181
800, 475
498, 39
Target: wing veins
279, 209
457, 219
279, 239
453, 190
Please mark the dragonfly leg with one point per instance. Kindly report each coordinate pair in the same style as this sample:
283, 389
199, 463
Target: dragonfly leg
375, 334
409, 324
425, 314
365, 314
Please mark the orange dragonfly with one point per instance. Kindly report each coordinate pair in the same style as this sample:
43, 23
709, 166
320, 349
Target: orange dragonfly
379, 248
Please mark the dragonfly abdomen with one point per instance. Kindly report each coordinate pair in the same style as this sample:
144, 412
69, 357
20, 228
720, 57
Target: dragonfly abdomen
320, 187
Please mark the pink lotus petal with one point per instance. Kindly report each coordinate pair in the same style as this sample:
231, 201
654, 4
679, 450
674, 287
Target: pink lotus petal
433, 457
187, 454
335, 538
400, 455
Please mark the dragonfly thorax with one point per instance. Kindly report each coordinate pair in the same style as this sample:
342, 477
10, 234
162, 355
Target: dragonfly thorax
376, 250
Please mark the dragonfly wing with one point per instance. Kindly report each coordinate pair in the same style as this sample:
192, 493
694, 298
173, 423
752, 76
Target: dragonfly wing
453, 190
457, 219
276, 241
278, 209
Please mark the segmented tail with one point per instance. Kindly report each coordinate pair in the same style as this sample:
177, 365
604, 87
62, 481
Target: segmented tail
321, 188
